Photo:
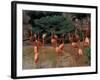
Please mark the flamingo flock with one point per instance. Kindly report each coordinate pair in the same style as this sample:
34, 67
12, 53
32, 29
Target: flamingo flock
57, 44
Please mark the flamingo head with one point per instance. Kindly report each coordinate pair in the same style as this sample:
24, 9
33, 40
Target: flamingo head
44, 35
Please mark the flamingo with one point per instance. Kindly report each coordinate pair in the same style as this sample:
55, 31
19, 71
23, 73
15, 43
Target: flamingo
34, 39
74, 38
36, 54
39, 41
54, 40
59, 50
43, 38
80, 52
35, 48
86, 40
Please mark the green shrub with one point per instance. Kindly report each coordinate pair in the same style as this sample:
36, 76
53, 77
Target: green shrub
88, 52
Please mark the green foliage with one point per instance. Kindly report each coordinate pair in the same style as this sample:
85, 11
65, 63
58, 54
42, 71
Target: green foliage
45, 21
80, 35
55, 23
88, 52
39, 14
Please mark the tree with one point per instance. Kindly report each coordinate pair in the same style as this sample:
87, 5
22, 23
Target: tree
55, 23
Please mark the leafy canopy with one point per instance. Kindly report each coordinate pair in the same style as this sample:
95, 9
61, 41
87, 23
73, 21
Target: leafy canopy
56, 23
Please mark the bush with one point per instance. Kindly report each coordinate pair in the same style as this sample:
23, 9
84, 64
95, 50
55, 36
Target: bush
56, 23
88, 52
